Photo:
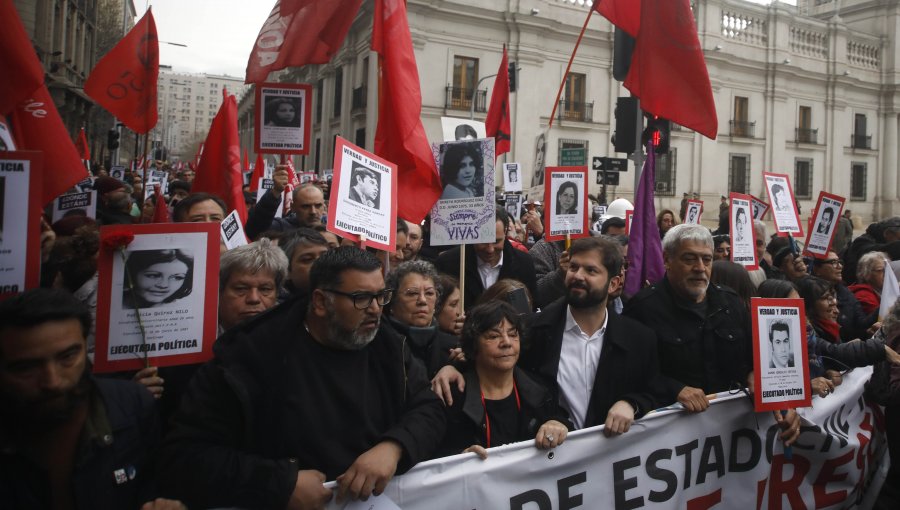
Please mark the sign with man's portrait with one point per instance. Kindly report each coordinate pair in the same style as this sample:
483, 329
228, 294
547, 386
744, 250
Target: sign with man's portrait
566, 203
465, 212
20, 221
693, 212
513, 205
826, 214
758, 208
283, 116
743, 236
784, 209
780, 359
455, 129
512, 178
363, 197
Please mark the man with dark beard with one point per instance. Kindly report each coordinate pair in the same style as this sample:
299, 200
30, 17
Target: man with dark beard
315, 389
68, 440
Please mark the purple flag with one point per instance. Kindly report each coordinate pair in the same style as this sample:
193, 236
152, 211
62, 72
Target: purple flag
645, 258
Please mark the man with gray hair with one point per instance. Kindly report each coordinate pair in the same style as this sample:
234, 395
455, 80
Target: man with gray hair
759, 274
250, 277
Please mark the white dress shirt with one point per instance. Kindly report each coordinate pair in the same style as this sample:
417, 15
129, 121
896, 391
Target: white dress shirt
578, 360
489, 274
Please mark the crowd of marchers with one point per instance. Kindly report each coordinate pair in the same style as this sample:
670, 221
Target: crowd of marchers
339, 363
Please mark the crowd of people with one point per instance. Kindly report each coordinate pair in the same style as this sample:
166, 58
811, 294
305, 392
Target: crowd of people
339, 363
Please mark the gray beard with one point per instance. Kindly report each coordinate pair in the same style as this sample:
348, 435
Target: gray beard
341, 338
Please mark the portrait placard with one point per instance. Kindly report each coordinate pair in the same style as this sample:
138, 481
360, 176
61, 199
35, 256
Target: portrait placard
821, 233
780, 359
514, 205
743, 236
363, 197
566, 203
759, 208
784, 208
20, 221
265, 184
117, 172
307, 177
540, 160
693, 212
512, 178
283, 117
84, 185
232, 230
165, 282
465, 213
81, 204
455, 129
629, 217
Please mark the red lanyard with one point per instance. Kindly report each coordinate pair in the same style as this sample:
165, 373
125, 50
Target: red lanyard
487, 419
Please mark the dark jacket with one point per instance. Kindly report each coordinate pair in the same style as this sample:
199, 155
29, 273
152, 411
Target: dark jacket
274, 401
628, 367
261, 217
430, 345
872, 240
712, 352
119, 440
853, 320
109, 217
465, 418
516, 265
824, 355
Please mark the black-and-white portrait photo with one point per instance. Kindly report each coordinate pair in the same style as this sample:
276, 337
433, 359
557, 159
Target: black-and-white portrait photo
567, 198
780, 197
464, 132
155, 278
827, 221
364, 185
540, 150
462, 170
283, 111
741, 223
781, 351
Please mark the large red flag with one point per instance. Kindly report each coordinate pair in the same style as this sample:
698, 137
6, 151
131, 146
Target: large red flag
124, 81
300, 32
400, 136
497, 122
83, 149
37, 126
259, 171
219, 171
668, 72
22, 71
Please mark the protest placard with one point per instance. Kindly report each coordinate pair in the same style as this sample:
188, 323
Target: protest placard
759, 208
20, 221
233, 231
693, 212
307, 177
86, 184
743, 236
780, 359
513, 202
821, 233
566, 203
465, 212
283, 118
784, 208
512, 178
629, 217
265, 184
455, 129
81, 204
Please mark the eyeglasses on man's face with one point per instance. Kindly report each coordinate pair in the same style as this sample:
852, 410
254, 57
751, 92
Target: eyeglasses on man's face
363, 300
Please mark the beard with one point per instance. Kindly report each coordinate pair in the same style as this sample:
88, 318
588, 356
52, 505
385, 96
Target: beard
50, 409
349, 339
589, 299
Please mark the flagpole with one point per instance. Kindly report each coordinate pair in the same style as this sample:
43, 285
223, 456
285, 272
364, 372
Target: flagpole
568, 67
146, 145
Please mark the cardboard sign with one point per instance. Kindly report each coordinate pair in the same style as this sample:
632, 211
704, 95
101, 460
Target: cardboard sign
232, 231
465, 212
784, 208
283, 117
514, 205
826, 216
164, 282
265, 184
20, 221
693, 212
512, 178
363, 197
743, 235
780, 359
82, 204
566, 209
758, 208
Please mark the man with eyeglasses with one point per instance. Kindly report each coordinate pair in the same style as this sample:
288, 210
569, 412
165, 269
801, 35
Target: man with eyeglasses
703, 330
854, 322
316, 389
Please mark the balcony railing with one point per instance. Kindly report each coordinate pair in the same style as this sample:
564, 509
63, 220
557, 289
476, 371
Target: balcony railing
581, 112
359, 98
861, 141
459, 98
742, 128
804, 135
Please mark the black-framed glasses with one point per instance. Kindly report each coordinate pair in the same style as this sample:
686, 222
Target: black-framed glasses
363, 300
833, 262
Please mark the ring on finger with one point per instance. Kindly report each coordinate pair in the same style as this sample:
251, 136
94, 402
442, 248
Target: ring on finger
550, 438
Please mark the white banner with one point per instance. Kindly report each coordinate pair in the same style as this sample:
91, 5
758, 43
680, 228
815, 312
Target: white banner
725, 457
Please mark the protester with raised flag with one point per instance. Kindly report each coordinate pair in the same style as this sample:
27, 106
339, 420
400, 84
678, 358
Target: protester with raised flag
302, 247
250, 277
266, 422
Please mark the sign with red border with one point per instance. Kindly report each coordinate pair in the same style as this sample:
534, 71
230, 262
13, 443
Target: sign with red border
283, 116
629, 217
826, 217
693, 212
760, 208
780, 359
743, 235
20, 221
566, 203
784, 207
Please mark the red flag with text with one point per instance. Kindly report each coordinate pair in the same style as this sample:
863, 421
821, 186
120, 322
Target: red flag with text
124, 81
300, 32
22, 71
668, 72
400, 136
219, 171
497, 121
37, 126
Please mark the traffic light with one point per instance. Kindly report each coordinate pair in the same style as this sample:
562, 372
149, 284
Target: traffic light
112, 139
659, 129
513, 76
623, 137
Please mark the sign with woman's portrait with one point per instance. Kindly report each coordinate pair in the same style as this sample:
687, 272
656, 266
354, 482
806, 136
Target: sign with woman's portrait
784, 209
827, 212
363, 199
566, 203
465, 212
780, 359
157, 296
512, 178
283, 116
20, 221
743, 236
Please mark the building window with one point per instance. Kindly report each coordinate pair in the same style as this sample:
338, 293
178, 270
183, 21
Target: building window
739, 173
858, 181
803, 178
465, 77
338, 91
740, 126
665, 173
573, 107
805, 132
861, 139
360, 138
320, 89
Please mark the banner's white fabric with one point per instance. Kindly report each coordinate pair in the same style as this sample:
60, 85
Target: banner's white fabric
725, 457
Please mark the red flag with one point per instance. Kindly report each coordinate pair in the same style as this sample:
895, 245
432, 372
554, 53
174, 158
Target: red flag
300, 32
246, 166
161, 211
497, 122
22, 70
219, 172
668, 72
37, 126
198, 155
124, 81
259, 171
400, 136
83, 150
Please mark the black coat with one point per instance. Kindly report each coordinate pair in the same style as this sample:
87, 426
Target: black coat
274, 401
628, 368
430, 345
261, 217
516, 265
853, 320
